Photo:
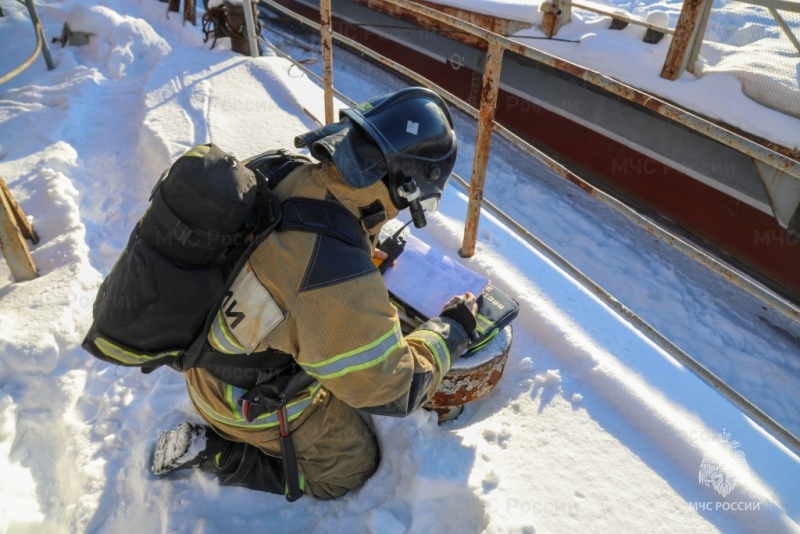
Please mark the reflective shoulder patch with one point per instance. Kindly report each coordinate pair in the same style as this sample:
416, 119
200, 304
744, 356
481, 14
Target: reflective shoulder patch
249, 311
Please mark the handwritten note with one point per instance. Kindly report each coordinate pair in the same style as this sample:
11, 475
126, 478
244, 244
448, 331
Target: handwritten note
426, 279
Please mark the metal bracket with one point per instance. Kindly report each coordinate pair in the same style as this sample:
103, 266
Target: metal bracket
69, 37
783, 192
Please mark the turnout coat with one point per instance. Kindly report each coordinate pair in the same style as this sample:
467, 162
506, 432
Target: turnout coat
323, 302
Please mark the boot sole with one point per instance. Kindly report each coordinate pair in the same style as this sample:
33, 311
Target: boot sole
172, 449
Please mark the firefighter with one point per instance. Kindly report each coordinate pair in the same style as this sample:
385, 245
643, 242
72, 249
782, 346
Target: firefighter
319, 301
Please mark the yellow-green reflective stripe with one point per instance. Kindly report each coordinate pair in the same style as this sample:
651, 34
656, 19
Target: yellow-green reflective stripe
230, 393
483, 322
229, 337
118, 353
359, 359
436, 345
222, 340
268, 420
198, 151
484, 342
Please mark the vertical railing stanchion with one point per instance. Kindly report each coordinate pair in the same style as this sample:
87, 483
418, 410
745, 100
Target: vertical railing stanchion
37, 25
250, 27
489, 90
687, 39
326, 32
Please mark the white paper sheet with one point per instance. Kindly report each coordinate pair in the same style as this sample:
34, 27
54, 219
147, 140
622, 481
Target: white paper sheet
425, 279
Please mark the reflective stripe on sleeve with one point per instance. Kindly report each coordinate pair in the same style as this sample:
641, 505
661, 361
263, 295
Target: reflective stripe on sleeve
359, 359
125, 356
221, 339
436, 345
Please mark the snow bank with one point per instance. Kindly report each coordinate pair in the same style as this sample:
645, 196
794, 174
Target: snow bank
763, 61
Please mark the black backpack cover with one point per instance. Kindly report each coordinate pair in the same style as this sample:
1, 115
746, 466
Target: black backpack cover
207, 213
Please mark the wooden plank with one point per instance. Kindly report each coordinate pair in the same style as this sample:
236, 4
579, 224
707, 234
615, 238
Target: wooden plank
22, 222
174, 5
12, 243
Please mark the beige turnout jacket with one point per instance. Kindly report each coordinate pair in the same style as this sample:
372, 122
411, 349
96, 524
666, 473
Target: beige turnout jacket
324, 302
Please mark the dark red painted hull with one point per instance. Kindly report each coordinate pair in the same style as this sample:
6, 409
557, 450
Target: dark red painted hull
741, 234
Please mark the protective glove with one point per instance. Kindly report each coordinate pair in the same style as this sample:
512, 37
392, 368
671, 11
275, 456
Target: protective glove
462, 310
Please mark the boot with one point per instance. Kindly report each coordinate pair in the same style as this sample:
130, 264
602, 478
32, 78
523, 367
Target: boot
185, 447
237, 464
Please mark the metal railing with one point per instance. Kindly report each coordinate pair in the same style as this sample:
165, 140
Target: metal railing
485, 128
486, 125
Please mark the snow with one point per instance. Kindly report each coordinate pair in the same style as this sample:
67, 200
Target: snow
521, 10
593, 427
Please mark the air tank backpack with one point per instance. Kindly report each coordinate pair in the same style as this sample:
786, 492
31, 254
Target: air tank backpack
207, 213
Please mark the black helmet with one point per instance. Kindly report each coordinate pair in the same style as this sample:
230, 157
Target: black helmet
414, 131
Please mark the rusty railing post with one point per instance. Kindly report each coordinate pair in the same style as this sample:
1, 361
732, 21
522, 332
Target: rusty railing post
12, 239
687, 39
555, 13
190, 12
489, 89
326, 33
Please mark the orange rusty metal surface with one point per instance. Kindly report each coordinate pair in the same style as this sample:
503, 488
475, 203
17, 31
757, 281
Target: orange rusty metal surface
554, 16
489, 91
462, 385
190, 12
691, 22
327, 57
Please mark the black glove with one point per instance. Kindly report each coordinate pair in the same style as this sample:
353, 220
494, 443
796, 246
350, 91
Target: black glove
460, 313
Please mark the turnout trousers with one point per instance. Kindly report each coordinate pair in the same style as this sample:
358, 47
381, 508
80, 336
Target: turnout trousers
336, 449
